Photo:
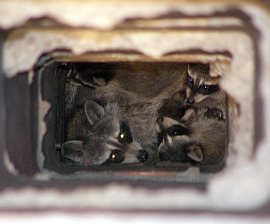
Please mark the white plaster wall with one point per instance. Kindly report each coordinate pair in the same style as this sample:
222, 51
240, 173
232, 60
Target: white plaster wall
243, 186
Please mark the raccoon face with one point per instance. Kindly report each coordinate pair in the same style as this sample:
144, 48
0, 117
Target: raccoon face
199, 83
109, 139
175, 142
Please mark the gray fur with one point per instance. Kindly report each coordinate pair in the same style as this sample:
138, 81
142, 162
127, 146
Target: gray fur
93, 134
138, 88
204, 145
201, 76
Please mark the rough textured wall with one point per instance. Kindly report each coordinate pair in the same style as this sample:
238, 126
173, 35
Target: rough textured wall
244, 184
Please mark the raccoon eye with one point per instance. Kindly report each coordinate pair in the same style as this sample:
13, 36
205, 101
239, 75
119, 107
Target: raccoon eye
124, 136
204, 89
190, 82
176, 130
176, 133
116, 156
208, 89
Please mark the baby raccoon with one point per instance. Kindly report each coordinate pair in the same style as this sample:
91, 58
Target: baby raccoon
202, 89
198, 138
99, 135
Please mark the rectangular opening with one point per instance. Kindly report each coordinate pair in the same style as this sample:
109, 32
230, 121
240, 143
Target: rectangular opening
132, 96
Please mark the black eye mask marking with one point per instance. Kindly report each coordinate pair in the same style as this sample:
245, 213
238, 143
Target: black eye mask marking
116, 156
202, 89
207, 89
190, 82
176, 130
124, 136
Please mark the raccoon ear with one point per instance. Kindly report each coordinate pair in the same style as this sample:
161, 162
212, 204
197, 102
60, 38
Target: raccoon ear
195, 153
72, 150
94, 112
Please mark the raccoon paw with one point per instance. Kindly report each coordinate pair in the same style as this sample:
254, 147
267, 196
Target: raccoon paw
92, 82
80, 76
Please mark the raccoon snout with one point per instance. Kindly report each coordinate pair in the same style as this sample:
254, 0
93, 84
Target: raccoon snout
142, 156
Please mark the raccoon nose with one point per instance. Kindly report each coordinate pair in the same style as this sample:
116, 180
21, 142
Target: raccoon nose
190, 100
142, 156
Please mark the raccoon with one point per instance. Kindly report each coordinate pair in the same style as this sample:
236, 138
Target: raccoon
138, 88
199, 138
100, 135
202, 89
141, 82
